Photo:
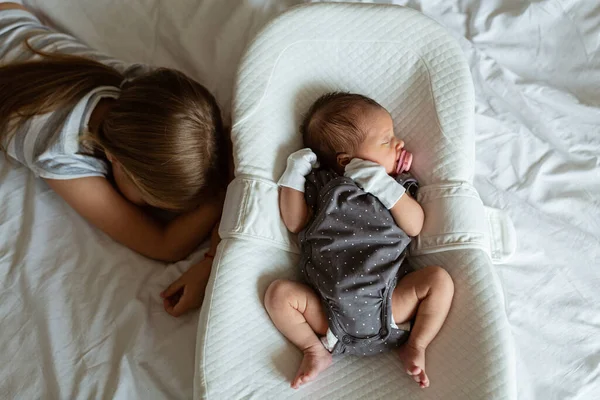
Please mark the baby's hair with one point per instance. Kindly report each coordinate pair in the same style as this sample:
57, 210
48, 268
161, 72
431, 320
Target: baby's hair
334, 125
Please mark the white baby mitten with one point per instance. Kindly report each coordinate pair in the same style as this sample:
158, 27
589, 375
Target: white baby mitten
299, 164
373, 178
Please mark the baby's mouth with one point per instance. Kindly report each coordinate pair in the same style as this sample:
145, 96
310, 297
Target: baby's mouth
404, 162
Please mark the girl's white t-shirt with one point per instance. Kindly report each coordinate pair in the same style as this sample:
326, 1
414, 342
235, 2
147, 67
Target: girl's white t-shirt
49, 145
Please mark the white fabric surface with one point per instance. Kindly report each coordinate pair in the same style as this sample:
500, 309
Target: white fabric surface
412, 67
536, 74
81, 316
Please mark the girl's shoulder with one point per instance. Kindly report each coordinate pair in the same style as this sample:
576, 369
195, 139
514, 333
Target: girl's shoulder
64, 155
51, 145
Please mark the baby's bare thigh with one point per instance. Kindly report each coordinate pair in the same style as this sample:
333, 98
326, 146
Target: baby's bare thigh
406, 296
300, 297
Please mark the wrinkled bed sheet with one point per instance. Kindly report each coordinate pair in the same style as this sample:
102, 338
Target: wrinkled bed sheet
80, 315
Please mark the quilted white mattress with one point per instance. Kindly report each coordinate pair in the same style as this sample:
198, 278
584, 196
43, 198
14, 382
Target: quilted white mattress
414, 68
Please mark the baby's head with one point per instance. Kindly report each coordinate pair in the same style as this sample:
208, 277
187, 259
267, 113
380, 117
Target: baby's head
341, 126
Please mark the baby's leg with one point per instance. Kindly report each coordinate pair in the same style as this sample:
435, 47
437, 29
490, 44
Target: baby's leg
428, 294
296, 311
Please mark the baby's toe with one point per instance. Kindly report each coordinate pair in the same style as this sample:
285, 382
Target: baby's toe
424, 380
297, 382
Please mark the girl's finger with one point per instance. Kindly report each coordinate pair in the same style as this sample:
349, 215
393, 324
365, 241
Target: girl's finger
168, 306
186, 303
172, 289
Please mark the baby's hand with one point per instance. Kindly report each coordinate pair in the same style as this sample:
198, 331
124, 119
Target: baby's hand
299, 164
374, 179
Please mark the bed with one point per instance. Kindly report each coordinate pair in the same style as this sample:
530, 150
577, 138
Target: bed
81, 317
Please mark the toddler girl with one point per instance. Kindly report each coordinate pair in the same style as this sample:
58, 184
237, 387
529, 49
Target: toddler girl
114, 141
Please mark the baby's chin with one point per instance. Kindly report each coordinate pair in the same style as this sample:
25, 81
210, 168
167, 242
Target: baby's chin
390, 170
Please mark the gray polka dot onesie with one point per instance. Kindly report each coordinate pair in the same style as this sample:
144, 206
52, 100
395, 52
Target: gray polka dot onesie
352, 255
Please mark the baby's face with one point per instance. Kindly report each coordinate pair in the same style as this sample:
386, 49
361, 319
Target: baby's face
380, 145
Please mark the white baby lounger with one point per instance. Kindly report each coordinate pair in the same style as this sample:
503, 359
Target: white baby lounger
411, 66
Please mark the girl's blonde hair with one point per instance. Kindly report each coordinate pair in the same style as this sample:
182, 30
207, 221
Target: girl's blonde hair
165, 129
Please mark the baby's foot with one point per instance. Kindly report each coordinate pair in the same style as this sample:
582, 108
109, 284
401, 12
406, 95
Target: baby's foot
413, 359
316, 359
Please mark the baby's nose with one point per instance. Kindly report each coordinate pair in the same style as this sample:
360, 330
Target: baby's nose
399, 144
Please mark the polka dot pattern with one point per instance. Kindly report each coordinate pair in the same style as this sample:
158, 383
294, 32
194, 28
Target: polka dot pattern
353, 255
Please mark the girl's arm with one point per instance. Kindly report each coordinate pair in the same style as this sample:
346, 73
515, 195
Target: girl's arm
97, 201
293, 208
187, 292
12, 6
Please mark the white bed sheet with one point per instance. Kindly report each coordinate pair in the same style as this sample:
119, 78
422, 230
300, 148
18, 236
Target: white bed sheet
80, 316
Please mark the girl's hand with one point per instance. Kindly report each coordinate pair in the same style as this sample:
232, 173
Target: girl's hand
187, 292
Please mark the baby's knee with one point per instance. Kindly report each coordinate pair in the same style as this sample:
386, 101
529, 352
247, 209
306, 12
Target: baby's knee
278, 292
439, 279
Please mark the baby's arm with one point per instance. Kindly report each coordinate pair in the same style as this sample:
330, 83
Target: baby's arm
373, 178
408, 215
292, 204
294, 210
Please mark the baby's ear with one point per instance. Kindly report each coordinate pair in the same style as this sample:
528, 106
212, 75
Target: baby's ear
343, 159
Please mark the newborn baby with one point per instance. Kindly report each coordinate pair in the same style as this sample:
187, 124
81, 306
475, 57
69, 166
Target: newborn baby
355, 221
